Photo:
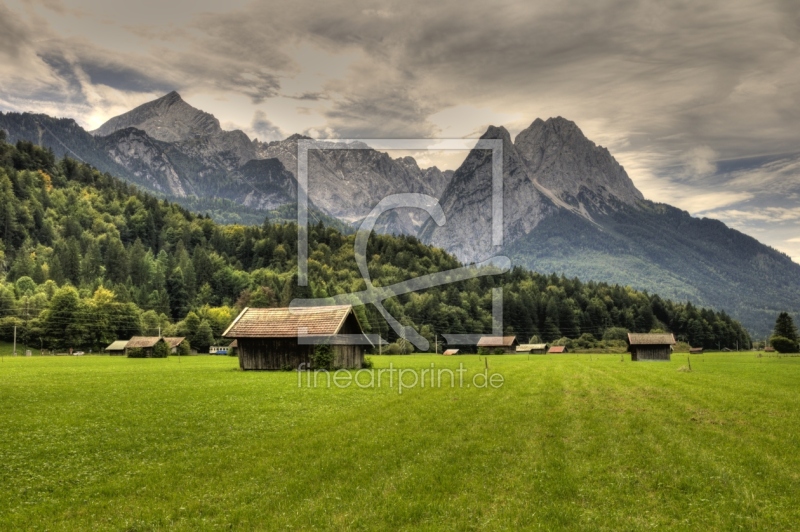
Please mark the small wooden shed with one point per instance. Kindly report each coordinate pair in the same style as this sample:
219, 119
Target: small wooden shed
695, 350
450, 352
277, 338
534, 349
148, 343
507, 343
117, 347
173, 342
650, 346
145, 343
557, 350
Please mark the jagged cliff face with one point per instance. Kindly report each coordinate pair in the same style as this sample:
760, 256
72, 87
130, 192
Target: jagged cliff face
467, 203
146, 159
549, 166
560, 159
347, 184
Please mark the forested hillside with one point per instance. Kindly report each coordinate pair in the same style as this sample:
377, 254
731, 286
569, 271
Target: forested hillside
88, 258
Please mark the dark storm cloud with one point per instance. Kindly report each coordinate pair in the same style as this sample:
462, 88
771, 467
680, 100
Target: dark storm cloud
123, 77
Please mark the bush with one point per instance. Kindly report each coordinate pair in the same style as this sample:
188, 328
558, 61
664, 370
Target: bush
615, 333
322, 357
367, 364
400, 347
161, 350
586, 340
563, 341
784, 345
184, 349
499, 351
135, 352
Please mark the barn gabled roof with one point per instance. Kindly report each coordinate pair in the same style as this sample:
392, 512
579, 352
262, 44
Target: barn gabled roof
557, 349
450, 352
497, 341
174, 341
530, 347
651, 339
118, 345
289, 322
139, 342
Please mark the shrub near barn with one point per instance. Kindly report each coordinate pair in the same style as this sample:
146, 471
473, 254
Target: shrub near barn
785, 339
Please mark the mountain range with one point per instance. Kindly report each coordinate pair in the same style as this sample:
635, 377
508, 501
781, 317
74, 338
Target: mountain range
569, 207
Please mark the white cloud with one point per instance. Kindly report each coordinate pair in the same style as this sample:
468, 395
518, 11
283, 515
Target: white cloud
699, 161
766, 214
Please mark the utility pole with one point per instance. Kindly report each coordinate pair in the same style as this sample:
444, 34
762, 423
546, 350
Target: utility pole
436, 342
15, 340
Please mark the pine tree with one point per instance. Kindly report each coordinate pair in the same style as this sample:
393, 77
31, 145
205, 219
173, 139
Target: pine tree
784, 327
178, 296
203, 338
116, 261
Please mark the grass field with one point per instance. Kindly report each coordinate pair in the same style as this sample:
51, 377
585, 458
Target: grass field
567, 442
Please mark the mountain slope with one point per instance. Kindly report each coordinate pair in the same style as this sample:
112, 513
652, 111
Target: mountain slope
168, 146
168, 119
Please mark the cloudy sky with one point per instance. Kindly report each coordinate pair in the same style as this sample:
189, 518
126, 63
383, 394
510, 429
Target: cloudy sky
699, 100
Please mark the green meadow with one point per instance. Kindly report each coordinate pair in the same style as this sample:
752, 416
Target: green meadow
567, 442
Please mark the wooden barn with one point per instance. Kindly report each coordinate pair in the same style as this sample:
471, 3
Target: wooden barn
145, 343
558, 350
173, 342
533, 349
507, 343
650, 346
695, 350
277, 338
148, 343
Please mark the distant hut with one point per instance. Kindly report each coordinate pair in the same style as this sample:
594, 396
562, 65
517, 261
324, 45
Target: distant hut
533, 349
148, 343
173, 342
276, 338
650, 346
507, 343
145, 343
695, 350
117, 347
769, 349
558, 349
450, 352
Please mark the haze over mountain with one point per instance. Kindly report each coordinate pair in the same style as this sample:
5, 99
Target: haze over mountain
569, 207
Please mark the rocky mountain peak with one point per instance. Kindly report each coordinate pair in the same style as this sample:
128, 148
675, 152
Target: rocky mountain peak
560, 158
169, 119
